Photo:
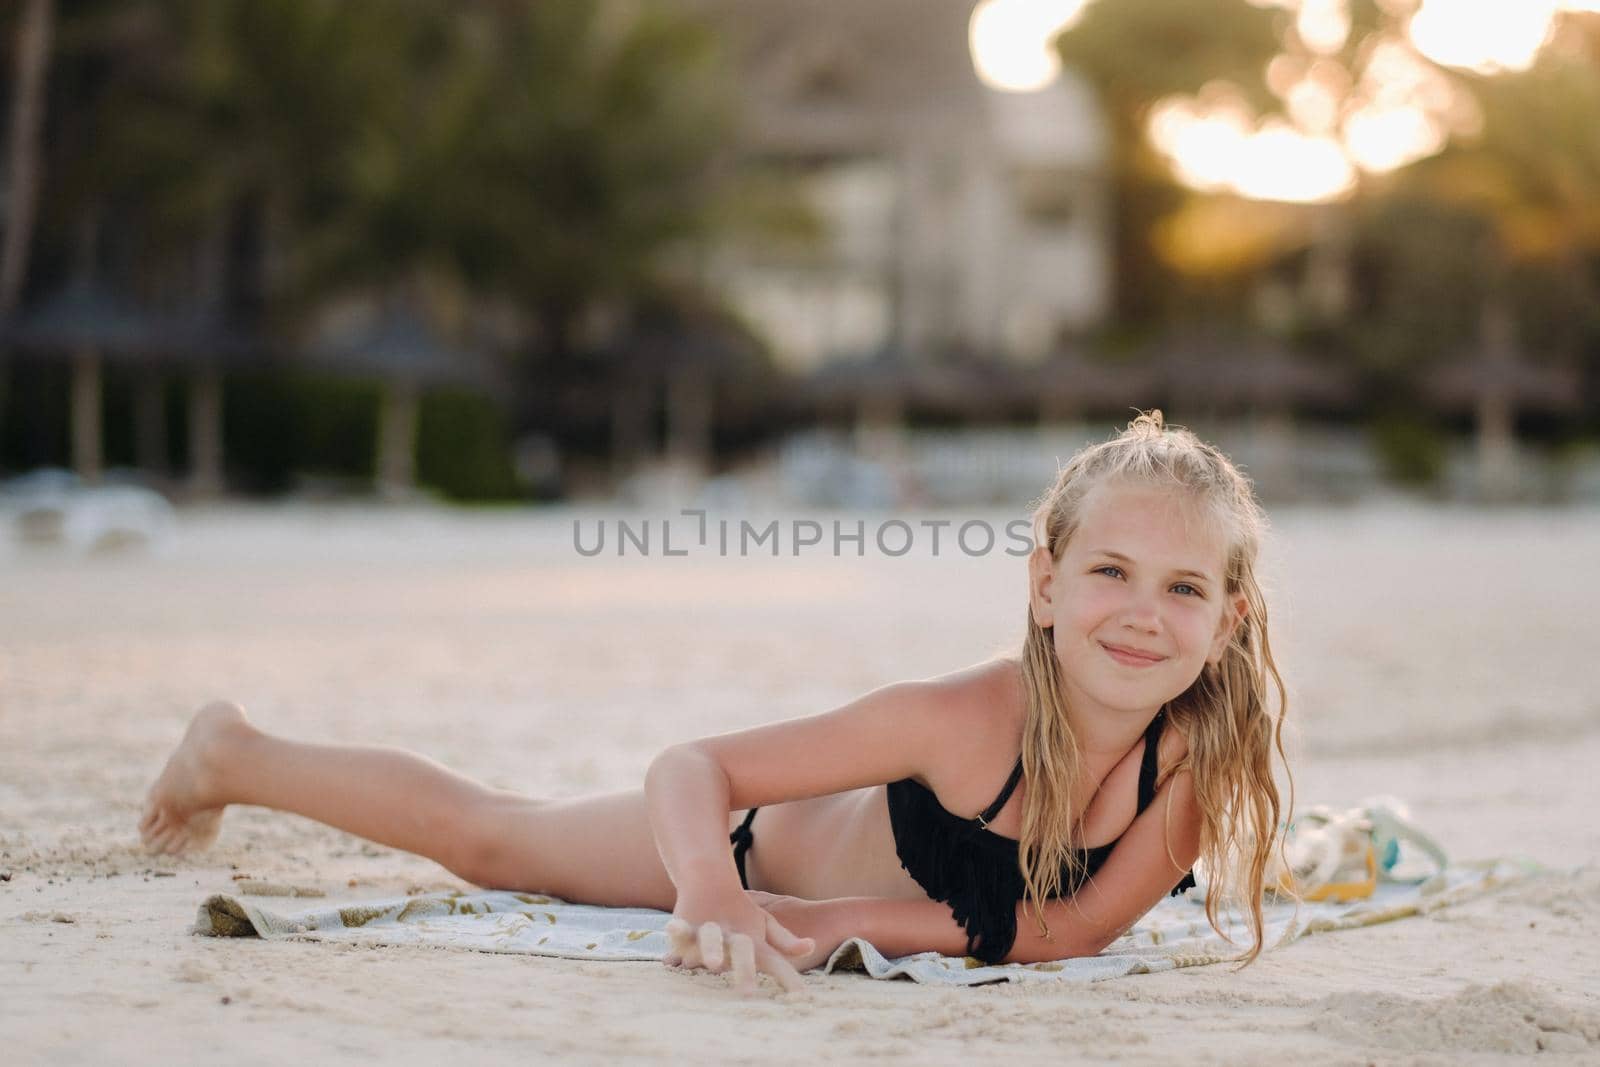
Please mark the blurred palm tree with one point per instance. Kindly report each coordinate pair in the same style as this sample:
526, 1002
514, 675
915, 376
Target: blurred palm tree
218, 127
557, 156
596, 163
1534, 177
34, 24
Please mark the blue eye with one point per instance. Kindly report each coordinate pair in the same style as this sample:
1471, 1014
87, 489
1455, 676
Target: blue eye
1182, 588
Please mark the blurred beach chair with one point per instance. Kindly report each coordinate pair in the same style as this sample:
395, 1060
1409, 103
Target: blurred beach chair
51, 506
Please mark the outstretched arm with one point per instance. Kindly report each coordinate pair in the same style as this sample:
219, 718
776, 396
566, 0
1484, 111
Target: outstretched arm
887, 734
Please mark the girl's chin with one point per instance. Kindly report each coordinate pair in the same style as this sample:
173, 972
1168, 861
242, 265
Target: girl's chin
1124, 695
1134, 698
1130, 704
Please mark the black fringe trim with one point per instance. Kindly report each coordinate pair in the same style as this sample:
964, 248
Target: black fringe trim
976, 872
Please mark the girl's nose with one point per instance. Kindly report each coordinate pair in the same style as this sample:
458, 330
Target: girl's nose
1140, 614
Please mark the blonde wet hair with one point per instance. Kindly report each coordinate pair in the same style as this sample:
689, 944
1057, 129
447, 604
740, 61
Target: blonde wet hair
1226, 715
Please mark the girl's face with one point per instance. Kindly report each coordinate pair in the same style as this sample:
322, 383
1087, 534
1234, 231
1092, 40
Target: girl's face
1136, 600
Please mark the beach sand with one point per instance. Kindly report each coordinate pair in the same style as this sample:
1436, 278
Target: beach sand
1445, 657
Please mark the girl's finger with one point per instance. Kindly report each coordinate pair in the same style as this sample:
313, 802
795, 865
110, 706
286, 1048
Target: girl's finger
743, 951
711, 946
780, 969
684, 947
779, 937
157, 826
680, 934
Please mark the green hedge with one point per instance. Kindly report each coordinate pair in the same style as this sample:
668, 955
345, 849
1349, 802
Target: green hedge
279, 428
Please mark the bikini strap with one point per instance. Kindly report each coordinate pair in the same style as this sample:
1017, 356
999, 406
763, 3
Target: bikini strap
1147, 773
1005, 794
1148, 764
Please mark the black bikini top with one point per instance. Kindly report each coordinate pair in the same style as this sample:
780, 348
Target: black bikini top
977, 871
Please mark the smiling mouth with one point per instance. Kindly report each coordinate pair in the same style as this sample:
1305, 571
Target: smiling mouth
1130, 657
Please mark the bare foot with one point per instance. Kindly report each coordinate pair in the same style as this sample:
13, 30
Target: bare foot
181, 811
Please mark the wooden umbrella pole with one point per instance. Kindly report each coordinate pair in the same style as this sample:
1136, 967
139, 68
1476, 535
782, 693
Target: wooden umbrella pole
397, 438
86, 449
205, 432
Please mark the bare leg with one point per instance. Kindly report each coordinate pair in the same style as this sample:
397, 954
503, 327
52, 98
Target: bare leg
596, 850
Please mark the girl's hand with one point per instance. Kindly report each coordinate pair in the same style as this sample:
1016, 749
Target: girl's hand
723, 932
824, 922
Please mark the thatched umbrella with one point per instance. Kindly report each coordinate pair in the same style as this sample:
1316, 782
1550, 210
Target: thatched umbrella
1069, 386
209, 343
1265, 380
402, 347
1464, 386
1217, 374
87, 322
877, 390
691, 351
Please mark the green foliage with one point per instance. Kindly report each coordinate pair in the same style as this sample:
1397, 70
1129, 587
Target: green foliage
1420, 277
34, 405
1134, 52
595, 150
1540, 144
1557, 307
275, 159
1513, 208
1137, 51
277, 427
548, 152
193, 107
462, 448
282, 429
1411, 450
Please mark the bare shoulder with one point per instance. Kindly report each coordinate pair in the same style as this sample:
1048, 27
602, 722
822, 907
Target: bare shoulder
980, 714
985, 698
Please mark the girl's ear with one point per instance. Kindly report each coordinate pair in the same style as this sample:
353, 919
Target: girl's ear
1233, 613
1041, 574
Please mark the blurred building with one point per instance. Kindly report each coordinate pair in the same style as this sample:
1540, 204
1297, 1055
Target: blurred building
953, 218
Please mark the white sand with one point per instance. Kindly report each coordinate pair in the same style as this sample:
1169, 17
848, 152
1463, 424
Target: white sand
1446, 657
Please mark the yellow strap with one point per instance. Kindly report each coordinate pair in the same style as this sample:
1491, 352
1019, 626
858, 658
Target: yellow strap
1340, 891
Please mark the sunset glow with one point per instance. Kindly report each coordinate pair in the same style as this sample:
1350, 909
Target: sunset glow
1382, 139
1392, 107
1404, 109
1323, 25
1013, 41
1220, 147
1483, 37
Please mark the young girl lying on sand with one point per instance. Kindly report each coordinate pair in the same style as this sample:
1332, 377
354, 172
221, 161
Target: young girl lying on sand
1028, 808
